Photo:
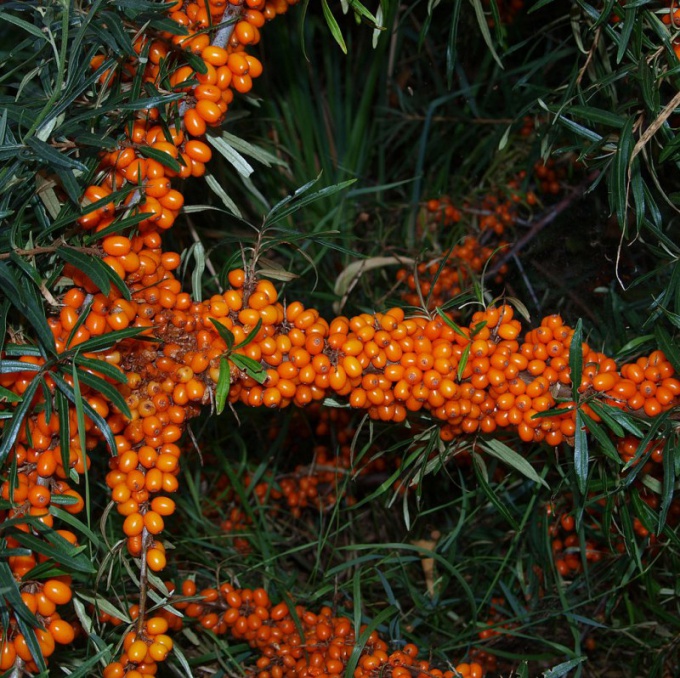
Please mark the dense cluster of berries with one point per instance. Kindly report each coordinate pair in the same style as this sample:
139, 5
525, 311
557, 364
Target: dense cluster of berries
477, 377
149, 155
295, 644
41, 600
142, 650
134, 182
473, 378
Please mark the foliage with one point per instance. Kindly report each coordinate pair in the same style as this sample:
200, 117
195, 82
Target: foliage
378, 138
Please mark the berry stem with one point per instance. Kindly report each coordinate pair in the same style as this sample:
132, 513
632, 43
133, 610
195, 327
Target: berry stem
143, 583
552, 214
229, 18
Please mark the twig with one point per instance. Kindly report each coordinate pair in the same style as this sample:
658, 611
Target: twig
545, 221
49, 249
527, 282
18, 669
143, 584
558, 282
229, 18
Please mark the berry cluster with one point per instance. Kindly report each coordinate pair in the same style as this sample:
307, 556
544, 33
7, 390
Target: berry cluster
472, 378
295, 644
148, 394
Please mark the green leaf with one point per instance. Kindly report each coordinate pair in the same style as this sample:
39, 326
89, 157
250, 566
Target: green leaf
463, 362
669, 346
11, 366
61, 402
223, 386
79, 403
88, 667
333, 26
598, 116
7, 396
53, 158
24, 25
110, 392
251, 367
11, 429
108, 340
28, 630
576, 359
60, 550
224, 332
451, 323
508, 456
102, 367
231, 155
484, 28
617, 420
298, 200
145, 103
601, 436
564, 668
379, 619
251, 335
481, 475
618, 187
88, 265
608, 420
22, 297
626, 32
581, 453
217, 189
246, 148
578, 129
670, 450
11, 594
160, 156
65, 517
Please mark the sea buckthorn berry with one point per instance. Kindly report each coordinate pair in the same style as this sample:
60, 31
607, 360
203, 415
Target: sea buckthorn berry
57, 591
155, 559
210, 112
199, 151
217, 56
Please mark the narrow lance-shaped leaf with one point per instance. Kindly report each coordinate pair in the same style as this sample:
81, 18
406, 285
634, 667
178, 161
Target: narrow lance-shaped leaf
333, 26
11, 429
251, 335
668, 487
508, 456
581, 453
463, 362
110, 392
576, 359
618, 187
224, 332
481, 475
59, 549
251, 367
223, 386
86, 263
669, 347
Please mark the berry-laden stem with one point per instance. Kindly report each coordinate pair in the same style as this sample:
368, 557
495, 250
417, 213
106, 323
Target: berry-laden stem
472, 379
143, 582
231, 15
